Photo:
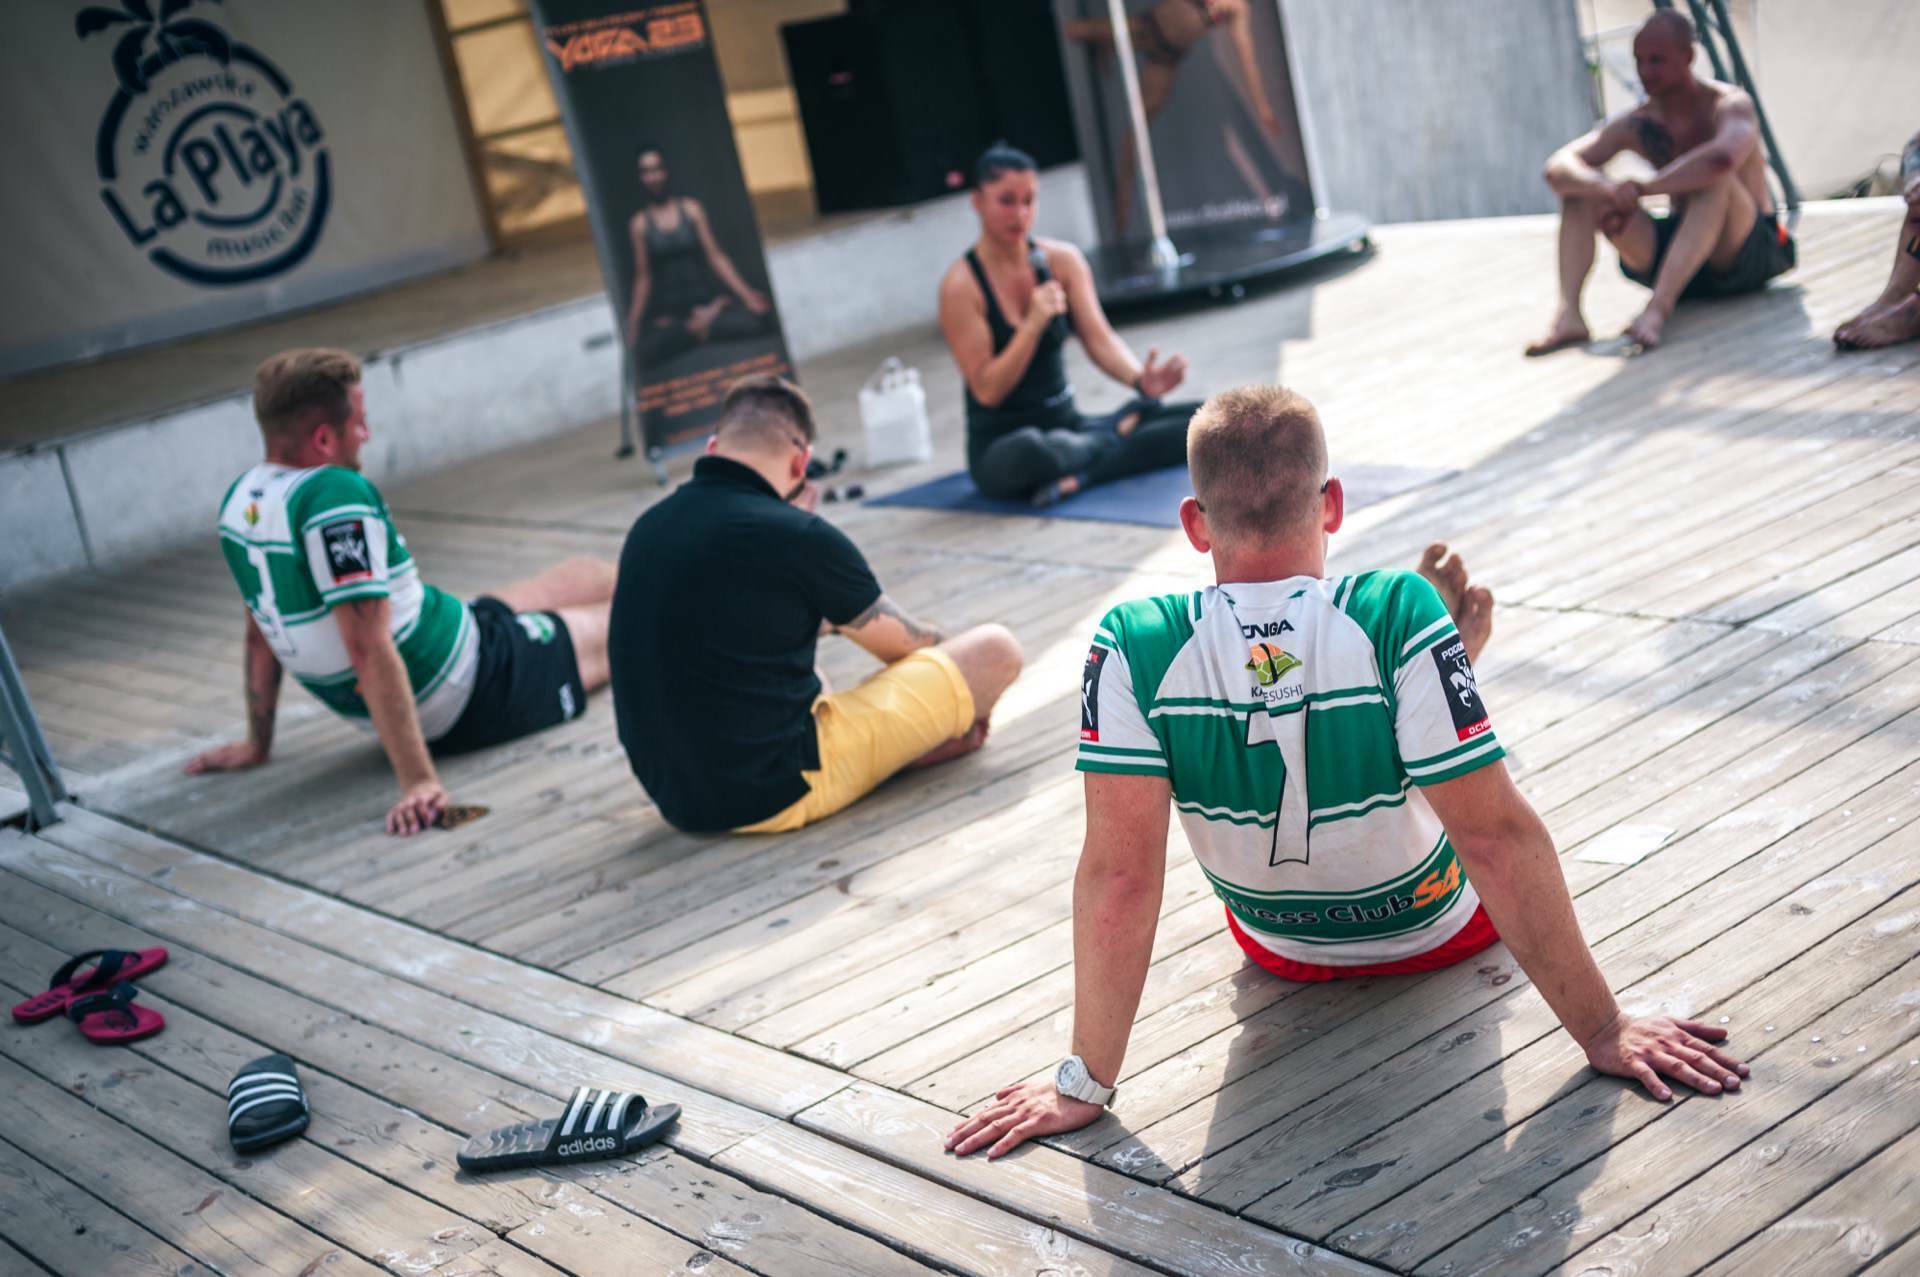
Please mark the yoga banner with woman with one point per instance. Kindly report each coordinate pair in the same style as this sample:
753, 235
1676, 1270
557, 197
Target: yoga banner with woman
679, 245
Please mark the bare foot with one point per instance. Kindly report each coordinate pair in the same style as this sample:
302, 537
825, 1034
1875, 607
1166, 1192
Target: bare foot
1567, 330
1645, 332
976, 737
1843, 335
1471, 606
1895, 324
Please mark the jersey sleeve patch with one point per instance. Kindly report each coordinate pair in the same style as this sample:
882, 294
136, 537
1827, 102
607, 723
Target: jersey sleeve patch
1090, 694
349, 558
1461, 691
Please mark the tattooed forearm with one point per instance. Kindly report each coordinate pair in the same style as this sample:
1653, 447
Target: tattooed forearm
922, 634
263, 690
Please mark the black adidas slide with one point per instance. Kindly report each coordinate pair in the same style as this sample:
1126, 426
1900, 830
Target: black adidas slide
597, 1124
265, 1104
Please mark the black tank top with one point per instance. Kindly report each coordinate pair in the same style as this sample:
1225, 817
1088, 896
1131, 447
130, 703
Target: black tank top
679, 276
1042, 391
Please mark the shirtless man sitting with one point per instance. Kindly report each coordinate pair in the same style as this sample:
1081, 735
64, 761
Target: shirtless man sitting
1400, 845
1723, 235
1894, 316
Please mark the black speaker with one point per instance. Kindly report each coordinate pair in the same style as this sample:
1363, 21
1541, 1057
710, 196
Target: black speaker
1017, 73
889, 104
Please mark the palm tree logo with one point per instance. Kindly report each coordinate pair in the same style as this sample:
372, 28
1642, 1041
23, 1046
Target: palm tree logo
173, 37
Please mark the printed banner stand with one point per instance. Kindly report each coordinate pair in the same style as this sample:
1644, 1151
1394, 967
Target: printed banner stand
1230, 201
673, 225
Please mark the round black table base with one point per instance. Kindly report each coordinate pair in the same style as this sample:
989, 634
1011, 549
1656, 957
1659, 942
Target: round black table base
1217, 266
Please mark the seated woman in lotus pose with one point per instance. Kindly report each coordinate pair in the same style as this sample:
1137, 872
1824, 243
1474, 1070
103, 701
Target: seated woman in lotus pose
1006, 309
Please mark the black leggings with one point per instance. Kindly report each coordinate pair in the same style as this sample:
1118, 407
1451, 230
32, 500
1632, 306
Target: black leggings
1017, 465
661, 342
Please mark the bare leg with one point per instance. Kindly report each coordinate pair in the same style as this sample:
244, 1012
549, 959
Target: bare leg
1861, 331
1714, 223
587, 627
1470, 605
989, 658
581, 581
1579, 223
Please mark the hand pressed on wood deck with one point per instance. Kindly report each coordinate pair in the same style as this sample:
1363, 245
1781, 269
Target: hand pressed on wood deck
1020, 1113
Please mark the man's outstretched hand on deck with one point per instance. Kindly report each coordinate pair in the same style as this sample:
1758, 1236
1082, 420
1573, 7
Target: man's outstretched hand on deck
1652, 1047
1020, 1113
418, 809
236, 757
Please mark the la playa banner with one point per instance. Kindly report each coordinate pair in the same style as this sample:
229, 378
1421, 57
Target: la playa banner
679, 245
177, 165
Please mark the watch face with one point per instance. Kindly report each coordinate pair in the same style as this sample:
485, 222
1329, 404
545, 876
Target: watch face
1071, 1077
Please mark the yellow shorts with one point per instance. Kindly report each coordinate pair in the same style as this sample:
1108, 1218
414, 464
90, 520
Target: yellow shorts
870, 732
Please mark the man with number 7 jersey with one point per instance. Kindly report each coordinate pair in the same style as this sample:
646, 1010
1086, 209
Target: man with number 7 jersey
1335, 770
333, 595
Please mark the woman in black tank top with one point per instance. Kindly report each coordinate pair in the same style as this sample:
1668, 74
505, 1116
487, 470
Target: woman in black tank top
686, 291
1025, 438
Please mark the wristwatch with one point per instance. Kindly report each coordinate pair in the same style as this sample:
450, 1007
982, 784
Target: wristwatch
1072, 1080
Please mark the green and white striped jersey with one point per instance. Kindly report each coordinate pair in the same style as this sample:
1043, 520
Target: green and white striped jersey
300, 541
1296, 721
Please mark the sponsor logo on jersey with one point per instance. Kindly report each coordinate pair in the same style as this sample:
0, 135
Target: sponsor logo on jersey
538, 625
252, 513
348, 557
1266, 629
1270, 663
600, 1144
1461, 690
1090, 694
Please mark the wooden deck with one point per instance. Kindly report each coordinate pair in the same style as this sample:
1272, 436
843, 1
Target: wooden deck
1708, 563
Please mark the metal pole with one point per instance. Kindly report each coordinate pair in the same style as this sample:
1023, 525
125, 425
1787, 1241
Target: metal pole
1163, 254
626, 396
26, 747
1745, 81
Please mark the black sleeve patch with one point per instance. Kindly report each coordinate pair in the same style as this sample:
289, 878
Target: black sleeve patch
348, 556
1462, 691
1090, 694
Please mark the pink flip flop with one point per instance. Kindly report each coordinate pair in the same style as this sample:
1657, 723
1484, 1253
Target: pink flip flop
115, 966
108, 1019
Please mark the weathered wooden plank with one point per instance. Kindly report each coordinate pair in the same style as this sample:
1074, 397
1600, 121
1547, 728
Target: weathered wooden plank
1083, 1201
72, 1232
1857, 1219
165, 1193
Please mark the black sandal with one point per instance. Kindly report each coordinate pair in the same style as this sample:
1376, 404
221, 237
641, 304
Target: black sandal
597, 1124
265, 1104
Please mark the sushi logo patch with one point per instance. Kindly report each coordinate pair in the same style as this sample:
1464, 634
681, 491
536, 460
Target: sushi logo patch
1462, 691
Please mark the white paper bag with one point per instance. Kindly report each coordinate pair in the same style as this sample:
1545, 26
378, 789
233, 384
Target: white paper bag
893, 412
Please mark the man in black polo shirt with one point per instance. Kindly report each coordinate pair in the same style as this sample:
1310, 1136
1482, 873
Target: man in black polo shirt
724, 589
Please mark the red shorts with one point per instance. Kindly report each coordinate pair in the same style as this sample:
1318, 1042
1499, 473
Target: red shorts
1471, 939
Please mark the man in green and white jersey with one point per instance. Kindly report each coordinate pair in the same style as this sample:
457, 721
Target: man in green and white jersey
1335, 770
333, 595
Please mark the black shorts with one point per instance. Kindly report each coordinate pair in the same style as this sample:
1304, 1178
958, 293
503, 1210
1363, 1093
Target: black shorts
528, 679
1768, 251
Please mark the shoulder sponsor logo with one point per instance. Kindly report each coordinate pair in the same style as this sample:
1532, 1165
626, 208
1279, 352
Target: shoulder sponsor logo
1461, 690
1090, 694
348, 557
208, 161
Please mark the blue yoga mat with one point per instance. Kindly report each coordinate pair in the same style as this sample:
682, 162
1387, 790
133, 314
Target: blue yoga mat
1151, 499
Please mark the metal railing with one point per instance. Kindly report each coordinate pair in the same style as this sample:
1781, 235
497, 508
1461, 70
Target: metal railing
23, 748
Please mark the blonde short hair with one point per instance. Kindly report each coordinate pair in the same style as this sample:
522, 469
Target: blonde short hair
1258, 459
296, 390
